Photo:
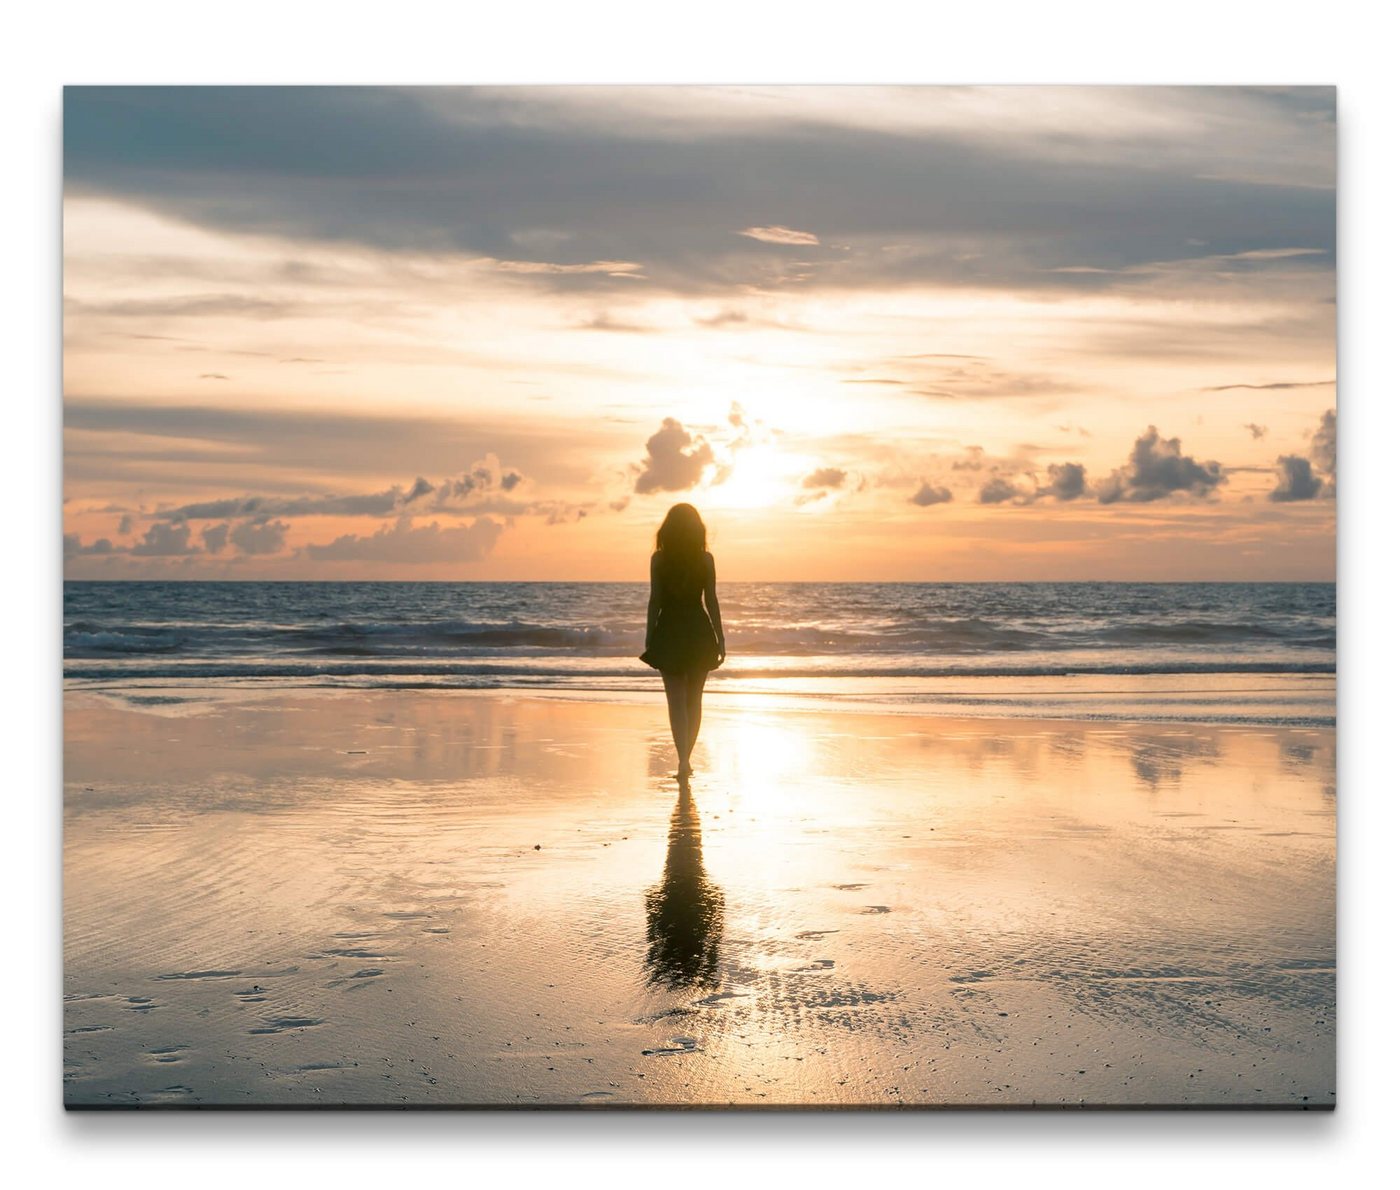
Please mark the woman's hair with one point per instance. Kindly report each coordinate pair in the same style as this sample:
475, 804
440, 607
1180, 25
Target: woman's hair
681, 539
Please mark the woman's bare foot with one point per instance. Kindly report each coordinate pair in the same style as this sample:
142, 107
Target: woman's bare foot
684, 772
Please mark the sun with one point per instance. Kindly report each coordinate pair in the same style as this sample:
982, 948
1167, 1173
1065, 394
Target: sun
760, 477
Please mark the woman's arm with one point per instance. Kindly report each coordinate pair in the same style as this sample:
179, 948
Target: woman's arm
654, 603
712, 603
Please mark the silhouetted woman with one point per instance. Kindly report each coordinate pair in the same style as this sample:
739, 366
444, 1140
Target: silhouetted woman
685, 637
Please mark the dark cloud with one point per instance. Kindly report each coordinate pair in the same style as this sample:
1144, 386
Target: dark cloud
1302, 478
215, 537
369, 504
260, 536
1296, 480
73, 546
1256, 431
559, 198
676, 459
165, 539
405, 542
124, 525
1157, 469
997, 490
928, 495
1067, 482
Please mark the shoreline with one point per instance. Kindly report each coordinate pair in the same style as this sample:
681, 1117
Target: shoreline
1267, 700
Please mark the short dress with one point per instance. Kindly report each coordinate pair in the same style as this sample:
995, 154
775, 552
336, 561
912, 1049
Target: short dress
683, 640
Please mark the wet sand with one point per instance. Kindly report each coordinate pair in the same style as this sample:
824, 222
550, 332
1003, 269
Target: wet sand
450, 898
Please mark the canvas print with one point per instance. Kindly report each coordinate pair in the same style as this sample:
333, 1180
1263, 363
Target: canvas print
700, 597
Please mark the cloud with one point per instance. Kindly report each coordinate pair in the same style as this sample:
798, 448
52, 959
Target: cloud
997, 491
210, 305
1296, 480
260, 536
124, 525
1256, 431
165, 539
928, 495
955, 186
779, 235
825, 477
367, 504
122, 438
676, 459
215, 537
610, 268
606, 322
73, 546
1224, 388
1324, 451
1156, 469
1067, 482
485, 478
405, 542
723, 318
1308, 478
951, 377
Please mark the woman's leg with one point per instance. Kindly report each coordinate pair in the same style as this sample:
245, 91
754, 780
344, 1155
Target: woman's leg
676, 707
694, 694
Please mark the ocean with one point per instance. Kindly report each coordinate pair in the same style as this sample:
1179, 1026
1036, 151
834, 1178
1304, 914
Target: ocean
1219, 652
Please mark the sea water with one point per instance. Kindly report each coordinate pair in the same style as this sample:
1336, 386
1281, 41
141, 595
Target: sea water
1248, 652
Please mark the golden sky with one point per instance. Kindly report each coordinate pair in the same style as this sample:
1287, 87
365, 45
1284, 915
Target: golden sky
884, 333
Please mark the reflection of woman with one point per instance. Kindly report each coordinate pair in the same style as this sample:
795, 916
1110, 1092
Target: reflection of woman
685, 911
685, 639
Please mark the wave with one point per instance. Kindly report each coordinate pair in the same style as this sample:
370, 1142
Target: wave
964, 637
128, 641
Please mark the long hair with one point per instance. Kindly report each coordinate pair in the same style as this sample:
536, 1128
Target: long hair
681, 541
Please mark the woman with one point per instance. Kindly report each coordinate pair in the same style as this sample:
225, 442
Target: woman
685, 640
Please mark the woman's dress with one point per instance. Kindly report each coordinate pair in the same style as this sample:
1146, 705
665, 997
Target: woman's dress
683, 639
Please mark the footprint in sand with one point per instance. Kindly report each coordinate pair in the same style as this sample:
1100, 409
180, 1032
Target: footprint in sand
679, 1045
281, 1024
200, 975
169, 1053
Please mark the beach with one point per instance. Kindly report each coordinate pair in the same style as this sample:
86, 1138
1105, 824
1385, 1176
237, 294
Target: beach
445, 897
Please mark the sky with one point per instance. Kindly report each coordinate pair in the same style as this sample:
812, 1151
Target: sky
883, 333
